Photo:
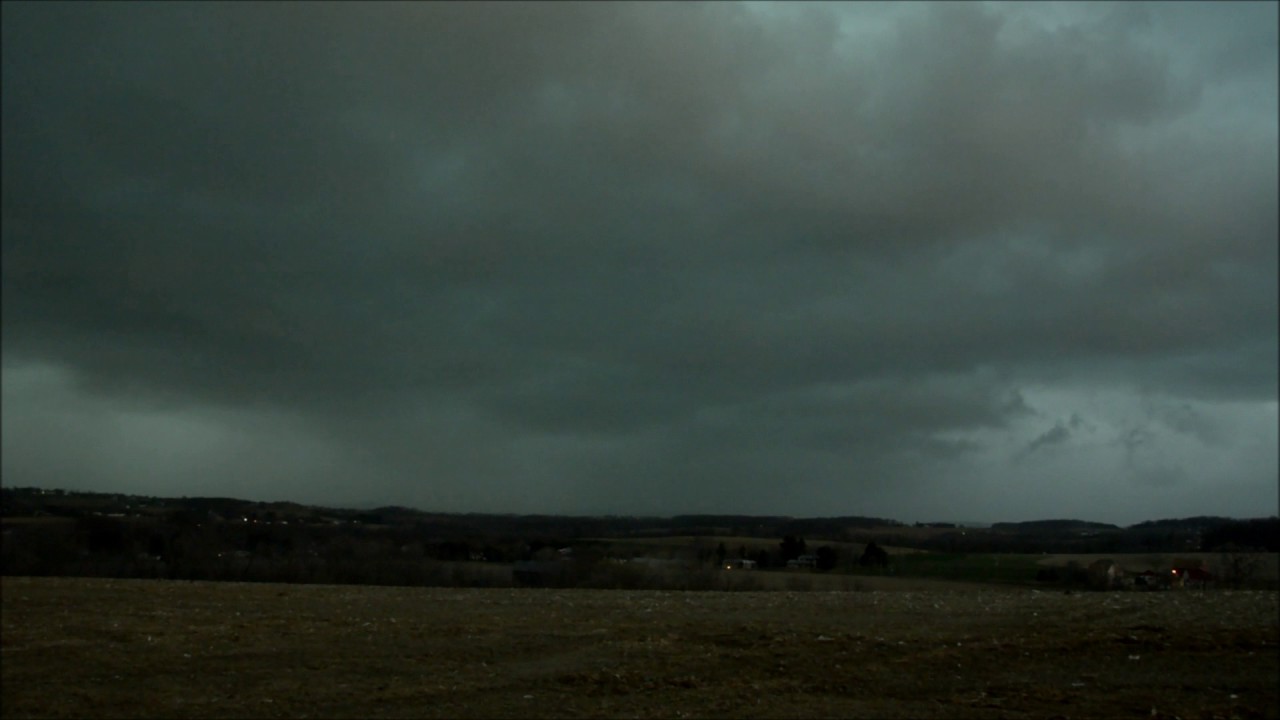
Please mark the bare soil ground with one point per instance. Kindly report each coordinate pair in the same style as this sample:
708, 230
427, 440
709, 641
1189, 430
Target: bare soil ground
139, 648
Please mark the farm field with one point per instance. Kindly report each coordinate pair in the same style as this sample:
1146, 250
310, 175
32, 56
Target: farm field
144, 648
1266, 565
1021, 568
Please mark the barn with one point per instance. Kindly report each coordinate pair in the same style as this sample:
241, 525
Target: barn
1191, 578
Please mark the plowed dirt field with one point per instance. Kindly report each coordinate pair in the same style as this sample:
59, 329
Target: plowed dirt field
152, 649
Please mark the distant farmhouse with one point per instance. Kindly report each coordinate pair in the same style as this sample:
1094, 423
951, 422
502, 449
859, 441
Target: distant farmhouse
804, 561
1191, 578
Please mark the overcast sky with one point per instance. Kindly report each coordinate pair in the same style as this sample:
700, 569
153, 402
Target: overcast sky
930, 262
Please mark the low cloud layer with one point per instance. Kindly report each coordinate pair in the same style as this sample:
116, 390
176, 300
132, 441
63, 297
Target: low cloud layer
927, 261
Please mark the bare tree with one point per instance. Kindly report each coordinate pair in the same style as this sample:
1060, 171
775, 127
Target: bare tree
1237, 566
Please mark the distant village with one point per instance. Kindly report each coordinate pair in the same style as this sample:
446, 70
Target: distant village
57, 532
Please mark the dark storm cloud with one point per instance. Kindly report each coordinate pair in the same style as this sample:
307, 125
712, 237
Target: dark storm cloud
1053, 436
1060, 434
713, 243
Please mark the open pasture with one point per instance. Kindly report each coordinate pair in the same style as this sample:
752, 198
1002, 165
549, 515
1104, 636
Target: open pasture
1265, 566
139, 648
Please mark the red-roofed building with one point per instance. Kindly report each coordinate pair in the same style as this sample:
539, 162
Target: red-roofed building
1191, 577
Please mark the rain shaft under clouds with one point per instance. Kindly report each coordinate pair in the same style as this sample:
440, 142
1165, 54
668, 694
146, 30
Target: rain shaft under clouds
952, 261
